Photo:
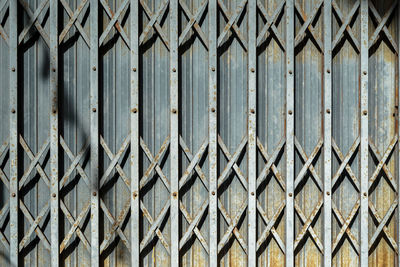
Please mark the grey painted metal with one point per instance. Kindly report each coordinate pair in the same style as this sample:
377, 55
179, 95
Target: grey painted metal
252, 136
290, 176
327, 133
54, 133
135, 144
94, 134
364, 135
174, 130
398, 131
14, 185
215, 128
212, 132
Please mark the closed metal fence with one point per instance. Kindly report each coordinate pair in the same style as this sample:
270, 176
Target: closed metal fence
199, 133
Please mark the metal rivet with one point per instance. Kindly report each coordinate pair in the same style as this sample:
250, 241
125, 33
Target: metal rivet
252, 70
174, 194
328, 71
94, 68
290, 194
328, 193
328, 111
290, 112
212, 109
365, 72
134, 110
134, 69
13, 194
53, 69
365, 112
213, 69
290, 72
365, 194
12, 110
252, 111
213, 193
94, 194
174, 111
135, 194
54, 111
252, 193
94, 109
173, 69
53, 195
13, 69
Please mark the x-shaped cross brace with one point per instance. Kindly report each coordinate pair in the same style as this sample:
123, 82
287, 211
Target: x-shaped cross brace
154, 165
345, 21
2, 31
116, 223
193, 22
307, 25
232, 22
155, 20
115, 22
193, 165
74, 222
45, 209
6, 208
33, 20
74, 20
270, 24
232, 223
382, 25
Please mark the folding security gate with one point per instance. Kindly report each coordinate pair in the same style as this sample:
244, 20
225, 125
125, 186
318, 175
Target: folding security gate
199, 132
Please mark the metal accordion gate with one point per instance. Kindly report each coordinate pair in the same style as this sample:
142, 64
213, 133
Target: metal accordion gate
199, 133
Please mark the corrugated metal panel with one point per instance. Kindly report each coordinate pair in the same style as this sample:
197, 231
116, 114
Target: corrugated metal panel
195, 132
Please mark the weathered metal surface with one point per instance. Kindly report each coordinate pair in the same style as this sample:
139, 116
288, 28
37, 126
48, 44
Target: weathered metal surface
199, 132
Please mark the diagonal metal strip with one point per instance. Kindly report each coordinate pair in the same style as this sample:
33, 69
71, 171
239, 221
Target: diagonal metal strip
3, 214
382, 25
232, 162
382, 225
232, 21
232, 227
346, 25
75, 226
75, 160
308, 25
308, 163
193, 22
270, 226
154, 163
116, 226
345, 226
33, 21
345, 163
193, 225
155, 20
307, 222
2, 31
32, 221
270, 23
116, 158
382, 163
113, 23
271, 163
74, 20
35, 225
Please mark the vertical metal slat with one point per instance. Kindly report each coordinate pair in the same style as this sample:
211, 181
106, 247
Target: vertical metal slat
251, 127
54, 202
134, 121
94, 133
212, 131
327, 133
289, 133
174, 130
13, 41
364, 134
